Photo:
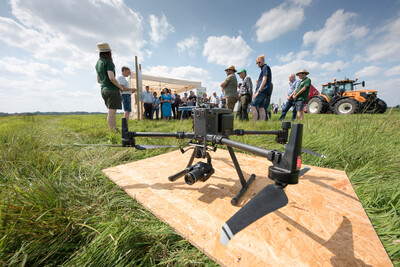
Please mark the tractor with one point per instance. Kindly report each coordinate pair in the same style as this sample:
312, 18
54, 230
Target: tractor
340, 97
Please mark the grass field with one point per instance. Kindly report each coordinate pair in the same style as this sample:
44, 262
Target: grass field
57, 208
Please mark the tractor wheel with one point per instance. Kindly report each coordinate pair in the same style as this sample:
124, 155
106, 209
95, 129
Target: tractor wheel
346, 106
316, 106
381, 106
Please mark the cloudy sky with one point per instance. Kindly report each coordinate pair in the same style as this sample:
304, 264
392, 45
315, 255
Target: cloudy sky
48, 48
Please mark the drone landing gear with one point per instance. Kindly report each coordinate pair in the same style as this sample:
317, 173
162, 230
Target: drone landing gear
245, 184
202, 171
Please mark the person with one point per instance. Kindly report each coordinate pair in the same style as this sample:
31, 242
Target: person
166, 104
263, 91
192, 99
222, 99
173, 97
126, 93
245, 95
185, 99
230, 87
156, 105
205, 99
110, 88
214, 100
289, 97
178, 102
301, 93
147, 98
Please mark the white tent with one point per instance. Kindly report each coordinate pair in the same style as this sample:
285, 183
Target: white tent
158, 83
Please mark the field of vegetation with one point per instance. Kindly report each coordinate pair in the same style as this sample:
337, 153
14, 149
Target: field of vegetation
57, 208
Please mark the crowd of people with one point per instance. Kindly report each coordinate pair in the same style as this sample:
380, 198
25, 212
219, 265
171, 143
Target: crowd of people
117, 93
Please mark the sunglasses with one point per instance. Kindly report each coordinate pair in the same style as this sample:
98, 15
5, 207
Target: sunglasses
258, 62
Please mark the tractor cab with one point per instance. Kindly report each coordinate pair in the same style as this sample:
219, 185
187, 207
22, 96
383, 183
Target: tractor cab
337, 88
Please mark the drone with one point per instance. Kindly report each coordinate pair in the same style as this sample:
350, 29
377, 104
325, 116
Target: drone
212, 127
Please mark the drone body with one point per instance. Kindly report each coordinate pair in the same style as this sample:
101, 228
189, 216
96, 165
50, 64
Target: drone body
212, 127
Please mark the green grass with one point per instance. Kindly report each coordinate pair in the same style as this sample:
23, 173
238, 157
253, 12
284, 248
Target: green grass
57, 208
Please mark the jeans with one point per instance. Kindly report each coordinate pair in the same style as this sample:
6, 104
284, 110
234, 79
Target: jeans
285, 109
266, 104
155, 110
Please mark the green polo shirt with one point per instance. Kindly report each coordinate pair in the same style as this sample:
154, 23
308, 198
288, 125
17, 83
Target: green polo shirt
102, 66
304, 83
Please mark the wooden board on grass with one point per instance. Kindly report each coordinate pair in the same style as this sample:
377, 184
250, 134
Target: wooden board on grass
323, 224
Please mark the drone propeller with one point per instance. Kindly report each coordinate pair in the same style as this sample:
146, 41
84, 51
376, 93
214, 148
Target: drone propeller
269, 199
138, 147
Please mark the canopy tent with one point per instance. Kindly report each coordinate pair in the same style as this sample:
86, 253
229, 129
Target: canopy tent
156, 84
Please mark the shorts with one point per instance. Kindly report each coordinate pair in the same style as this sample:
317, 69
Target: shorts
112, 99
259, 101
300, 105
126, 102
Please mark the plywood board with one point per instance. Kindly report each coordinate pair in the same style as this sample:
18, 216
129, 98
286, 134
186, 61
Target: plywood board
323, 224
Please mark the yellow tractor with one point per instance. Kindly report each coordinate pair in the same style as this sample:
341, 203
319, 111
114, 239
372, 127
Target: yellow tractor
340, 97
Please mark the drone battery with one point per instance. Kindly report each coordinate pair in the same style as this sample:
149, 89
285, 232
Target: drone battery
212, 121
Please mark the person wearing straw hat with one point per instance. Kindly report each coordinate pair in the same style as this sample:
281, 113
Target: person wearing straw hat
301, 93
229, 86
110, 88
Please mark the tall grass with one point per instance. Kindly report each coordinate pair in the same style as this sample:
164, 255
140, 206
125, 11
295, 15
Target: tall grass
57, 208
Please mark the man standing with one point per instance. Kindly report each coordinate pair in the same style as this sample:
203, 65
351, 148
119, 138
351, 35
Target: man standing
222, 99
147, 98
263, 92
215, 100
173, 104
126, 91
192, 99
230, 87
289, 97
245, 94
301, 93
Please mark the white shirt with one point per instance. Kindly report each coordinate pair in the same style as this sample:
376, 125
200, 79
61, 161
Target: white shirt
122, 81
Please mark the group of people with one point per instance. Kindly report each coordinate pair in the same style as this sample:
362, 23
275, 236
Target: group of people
297, 93
259, 101
116, 92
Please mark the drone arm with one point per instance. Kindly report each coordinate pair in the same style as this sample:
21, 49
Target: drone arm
219, 139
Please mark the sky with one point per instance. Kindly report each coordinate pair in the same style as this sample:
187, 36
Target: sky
48, 49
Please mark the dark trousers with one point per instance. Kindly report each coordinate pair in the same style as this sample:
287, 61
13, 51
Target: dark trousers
156, 111
242, 107
147, 111
173, 108
266, 104
285, 109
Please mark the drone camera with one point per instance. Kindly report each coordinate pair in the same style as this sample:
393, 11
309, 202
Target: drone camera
200, 172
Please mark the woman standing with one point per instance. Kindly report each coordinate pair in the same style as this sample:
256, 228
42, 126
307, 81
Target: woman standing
166, 100
110, 88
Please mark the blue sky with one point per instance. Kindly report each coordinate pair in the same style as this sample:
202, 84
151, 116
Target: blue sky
48, 48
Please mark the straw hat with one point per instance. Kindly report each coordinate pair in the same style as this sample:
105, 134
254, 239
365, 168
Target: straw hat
103, 47
302, 71
231, 67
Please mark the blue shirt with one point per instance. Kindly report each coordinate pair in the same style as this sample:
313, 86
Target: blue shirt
267, 89
156, 102
222, 96
292, 87
147, 97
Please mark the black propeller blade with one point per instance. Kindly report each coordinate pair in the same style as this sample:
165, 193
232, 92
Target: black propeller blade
269, 199
138, 147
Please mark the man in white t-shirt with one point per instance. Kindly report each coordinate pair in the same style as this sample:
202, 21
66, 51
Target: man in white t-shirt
126, 93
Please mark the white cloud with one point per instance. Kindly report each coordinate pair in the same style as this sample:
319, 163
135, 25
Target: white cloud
337, 30
280, 20
368, 72
394, 71
385, 45
183, 72
336, 66
160, 28
68, 31
286, 58
188, 44
226, 51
